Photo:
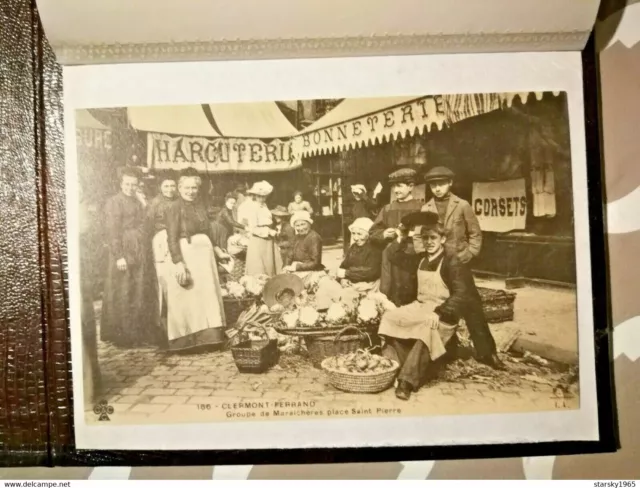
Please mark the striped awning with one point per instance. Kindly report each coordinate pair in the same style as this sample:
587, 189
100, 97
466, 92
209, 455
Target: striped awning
360, 122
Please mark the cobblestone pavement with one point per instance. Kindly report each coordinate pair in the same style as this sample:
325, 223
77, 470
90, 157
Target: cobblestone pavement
146, 382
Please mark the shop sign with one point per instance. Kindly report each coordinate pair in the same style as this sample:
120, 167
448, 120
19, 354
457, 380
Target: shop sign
211, 155
500, 206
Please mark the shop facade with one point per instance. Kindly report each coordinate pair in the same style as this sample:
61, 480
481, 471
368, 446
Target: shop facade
511, 154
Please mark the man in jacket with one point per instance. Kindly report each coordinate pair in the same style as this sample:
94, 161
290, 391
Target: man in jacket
418, 333
397, 284
462, 229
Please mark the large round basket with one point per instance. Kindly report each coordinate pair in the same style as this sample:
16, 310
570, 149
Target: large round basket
330, 331
233, 307
255, 356
349, 339
360, 382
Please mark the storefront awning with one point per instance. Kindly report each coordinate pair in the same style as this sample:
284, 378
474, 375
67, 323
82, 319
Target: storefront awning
84, 120
188, 120
217, 138
262, 120
367, 121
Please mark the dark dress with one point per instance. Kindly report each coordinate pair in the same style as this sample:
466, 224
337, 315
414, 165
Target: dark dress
223, 228
397, 283
129, 308
362, 263
157, 212
307, 250
195, 314
284, 239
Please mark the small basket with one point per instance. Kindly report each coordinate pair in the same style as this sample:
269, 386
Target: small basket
233, 307
321, 347
360, 382
255, 356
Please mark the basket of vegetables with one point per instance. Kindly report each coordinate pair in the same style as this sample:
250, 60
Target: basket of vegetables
253, 350
349, 339
360, 372
238, 296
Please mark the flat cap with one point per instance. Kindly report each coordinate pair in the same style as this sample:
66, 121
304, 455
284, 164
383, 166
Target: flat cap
404, 175
439, 173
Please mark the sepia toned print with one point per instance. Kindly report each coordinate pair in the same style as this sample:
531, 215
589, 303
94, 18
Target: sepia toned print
326, 259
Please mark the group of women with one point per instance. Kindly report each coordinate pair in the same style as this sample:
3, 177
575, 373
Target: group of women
166, 259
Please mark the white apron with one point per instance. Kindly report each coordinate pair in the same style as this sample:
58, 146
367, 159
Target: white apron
195, 315
164, 266
407, 322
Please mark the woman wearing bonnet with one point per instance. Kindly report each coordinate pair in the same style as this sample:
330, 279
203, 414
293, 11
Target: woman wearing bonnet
263, 258
195, 313
361, 265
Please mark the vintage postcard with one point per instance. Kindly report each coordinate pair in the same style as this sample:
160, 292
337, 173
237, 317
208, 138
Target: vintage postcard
398, 263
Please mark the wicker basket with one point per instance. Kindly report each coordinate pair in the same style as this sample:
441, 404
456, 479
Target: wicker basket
253, 356
322, 347
497, 305
360, 382
233, 307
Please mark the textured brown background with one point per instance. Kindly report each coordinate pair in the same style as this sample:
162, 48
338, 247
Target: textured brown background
30, 84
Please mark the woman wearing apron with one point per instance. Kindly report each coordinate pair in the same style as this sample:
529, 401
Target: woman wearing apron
156, 216
418, 333
195, 311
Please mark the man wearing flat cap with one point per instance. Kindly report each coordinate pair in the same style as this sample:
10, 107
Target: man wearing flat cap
464, 237
395, 282
418, 333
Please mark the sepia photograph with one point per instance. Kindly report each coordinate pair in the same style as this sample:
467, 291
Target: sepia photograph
248, 263
328, 258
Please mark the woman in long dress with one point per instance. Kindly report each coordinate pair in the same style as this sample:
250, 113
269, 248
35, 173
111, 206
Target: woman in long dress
129, 312
195, 313
263, 256
156, 215
225, 224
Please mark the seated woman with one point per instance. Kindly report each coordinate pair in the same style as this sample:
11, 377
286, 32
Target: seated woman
419, 332
361, 265
306, 251
359, 271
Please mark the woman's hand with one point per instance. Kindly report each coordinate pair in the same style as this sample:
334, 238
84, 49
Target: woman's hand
341, 273
121, 264
433, 320
181, 273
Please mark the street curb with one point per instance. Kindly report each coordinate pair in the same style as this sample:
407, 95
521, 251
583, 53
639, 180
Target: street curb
546, 351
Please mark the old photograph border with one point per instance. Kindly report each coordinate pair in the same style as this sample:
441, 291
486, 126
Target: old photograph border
189, 83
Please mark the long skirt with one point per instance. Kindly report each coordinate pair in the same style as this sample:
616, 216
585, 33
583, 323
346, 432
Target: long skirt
407, 322
130, 315
263, 257
195, 314
164, 268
